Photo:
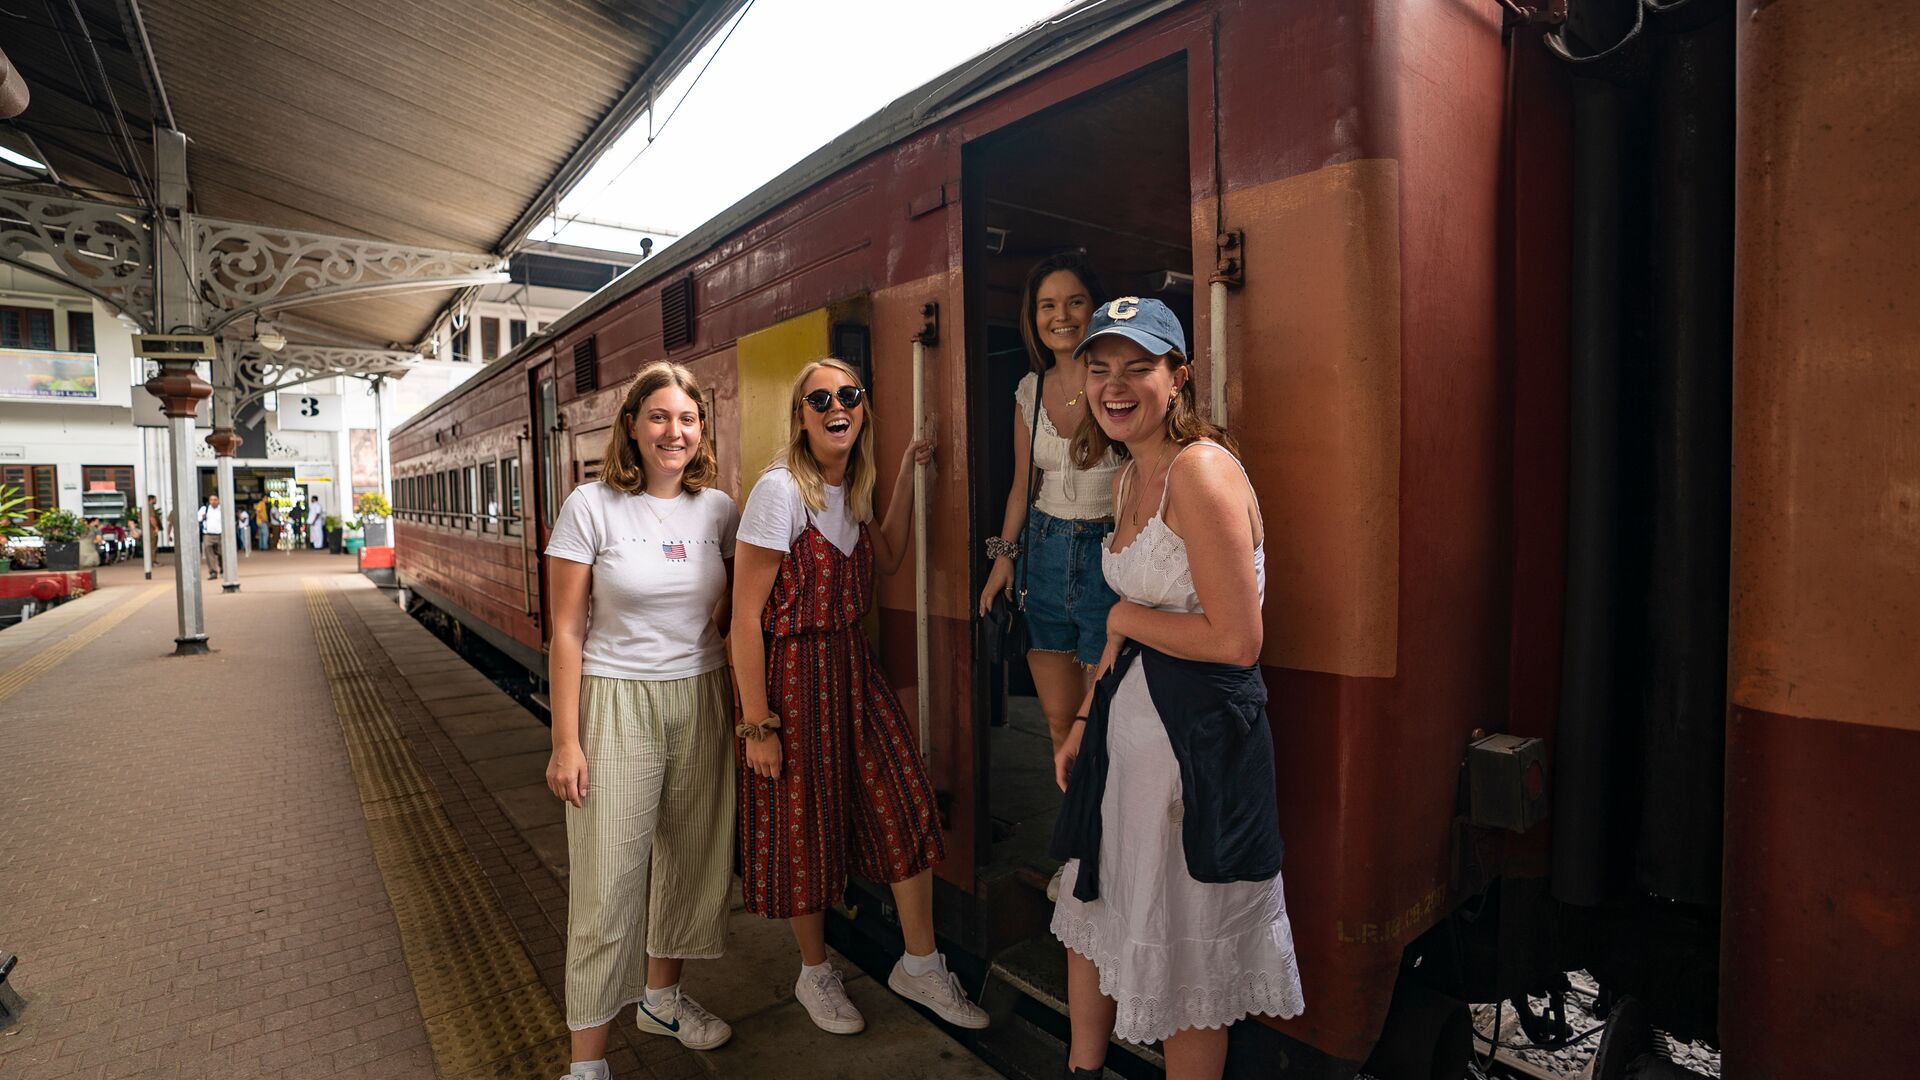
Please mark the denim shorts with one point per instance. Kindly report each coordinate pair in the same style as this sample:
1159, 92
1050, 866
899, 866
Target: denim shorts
1067, 596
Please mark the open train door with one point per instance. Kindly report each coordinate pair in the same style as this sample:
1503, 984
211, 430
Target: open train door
1050, 182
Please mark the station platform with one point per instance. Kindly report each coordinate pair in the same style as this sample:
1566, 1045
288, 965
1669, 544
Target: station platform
324, 849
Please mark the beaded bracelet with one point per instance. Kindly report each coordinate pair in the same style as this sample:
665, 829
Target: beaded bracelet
998, 548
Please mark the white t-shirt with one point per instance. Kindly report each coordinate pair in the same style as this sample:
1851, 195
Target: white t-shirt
658, 572
776, 515
210, 522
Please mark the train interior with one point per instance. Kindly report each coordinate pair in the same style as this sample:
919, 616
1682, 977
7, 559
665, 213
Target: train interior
1106, 172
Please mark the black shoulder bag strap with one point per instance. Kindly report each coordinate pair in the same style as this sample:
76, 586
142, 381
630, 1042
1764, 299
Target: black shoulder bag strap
1033, 480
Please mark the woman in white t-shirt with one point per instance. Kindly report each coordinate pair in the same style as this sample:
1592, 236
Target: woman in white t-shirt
833, 781
638, 568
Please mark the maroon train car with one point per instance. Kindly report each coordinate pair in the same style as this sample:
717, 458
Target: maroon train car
1491, 444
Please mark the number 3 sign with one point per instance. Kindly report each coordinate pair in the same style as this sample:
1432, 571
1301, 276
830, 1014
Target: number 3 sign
309, 412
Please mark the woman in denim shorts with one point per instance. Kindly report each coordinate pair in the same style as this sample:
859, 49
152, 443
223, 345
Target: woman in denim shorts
1065, 599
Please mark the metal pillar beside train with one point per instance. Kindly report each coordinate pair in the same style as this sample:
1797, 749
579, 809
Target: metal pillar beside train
225, 441
178, 386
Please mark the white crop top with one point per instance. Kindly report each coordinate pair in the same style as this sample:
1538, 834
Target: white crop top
1065, 492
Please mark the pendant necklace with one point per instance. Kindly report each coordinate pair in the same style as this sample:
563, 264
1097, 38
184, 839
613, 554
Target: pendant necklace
647, 501
1140, 496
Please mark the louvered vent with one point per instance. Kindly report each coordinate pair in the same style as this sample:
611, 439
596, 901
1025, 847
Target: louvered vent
676, 312
586, 366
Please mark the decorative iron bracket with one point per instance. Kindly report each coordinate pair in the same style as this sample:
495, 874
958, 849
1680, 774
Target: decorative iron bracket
103, 249
247, 269
257, 374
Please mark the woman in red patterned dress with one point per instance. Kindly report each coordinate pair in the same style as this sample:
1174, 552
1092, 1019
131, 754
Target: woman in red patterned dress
830, 773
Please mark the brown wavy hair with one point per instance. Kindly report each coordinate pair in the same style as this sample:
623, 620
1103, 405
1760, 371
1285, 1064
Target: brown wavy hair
1073, 262
622, 468
862, 474
1184, 423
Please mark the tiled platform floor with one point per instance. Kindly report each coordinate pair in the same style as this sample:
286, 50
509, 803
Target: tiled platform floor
186, 873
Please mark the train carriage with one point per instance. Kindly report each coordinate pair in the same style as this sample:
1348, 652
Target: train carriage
1384, 226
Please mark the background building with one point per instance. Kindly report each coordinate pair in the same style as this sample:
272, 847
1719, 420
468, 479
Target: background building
74, 418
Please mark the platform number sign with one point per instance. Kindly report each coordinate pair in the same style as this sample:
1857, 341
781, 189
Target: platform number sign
310, 412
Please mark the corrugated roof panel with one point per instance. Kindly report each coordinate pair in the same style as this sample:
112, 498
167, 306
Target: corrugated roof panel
432, 122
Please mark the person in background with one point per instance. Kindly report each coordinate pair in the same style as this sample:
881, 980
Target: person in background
154, 529
242, 528
262, 530
1171, 906
210, 531
316, 524
640, 562
837, 784
1058, 587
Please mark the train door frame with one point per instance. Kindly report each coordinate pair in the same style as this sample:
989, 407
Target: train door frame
547, 477
982, 160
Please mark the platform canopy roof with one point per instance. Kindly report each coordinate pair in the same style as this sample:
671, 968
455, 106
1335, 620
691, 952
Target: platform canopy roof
451, 124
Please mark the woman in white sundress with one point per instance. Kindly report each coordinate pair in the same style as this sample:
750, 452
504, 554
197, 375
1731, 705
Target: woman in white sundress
1171, 904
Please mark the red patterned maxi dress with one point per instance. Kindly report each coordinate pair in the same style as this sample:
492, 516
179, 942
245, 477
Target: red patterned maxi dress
852, 792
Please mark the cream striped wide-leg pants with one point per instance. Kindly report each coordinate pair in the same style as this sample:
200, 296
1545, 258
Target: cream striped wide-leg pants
650, 855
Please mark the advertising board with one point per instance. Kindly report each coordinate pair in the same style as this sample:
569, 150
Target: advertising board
44, 375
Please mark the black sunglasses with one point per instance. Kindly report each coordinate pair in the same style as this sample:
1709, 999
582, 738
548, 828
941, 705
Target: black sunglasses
822, 400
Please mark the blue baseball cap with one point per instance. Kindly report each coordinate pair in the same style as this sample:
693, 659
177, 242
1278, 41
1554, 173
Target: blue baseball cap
1149, 322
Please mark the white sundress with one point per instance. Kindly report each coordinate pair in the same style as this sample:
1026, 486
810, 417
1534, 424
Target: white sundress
1173, 953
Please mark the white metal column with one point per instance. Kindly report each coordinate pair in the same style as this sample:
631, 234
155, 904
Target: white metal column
179, 306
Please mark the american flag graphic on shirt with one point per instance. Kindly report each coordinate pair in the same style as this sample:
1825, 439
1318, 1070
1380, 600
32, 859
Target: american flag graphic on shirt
675, 550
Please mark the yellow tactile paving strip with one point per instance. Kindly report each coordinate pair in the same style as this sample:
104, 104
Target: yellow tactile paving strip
487, 1013
16, 678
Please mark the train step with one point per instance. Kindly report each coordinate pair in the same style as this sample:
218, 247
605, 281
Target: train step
1026, 994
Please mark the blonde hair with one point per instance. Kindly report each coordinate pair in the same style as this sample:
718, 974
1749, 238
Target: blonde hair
621, 467
1184, 424
862, 475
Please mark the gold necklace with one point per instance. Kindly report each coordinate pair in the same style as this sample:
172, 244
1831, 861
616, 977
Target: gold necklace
1140, 496
1076, 398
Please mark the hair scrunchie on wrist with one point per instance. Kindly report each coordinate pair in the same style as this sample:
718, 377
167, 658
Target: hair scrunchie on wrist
759, 729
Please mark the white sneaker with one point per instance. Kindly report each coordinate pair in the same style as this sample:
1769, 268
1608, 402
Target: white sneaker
825, 998
681, 1017
939, 991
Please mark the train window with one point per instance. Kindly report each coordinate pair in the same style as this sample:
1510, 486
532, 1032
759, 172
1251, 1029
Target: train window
470, 506
510, 495
489, 338
489, 496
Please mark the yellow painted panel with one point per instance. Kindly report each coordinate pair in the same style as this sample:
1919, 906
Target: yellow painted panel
1315, 398
767, 361
1826, 412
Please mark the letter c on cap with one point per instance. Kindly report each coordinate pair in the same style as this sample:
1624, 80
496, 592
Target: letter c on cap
1123, 308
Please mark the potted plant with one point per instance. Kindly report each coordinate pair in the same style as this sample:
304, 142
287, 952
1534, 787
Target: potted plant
330, 526
374, 510
13, 521
62, 530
